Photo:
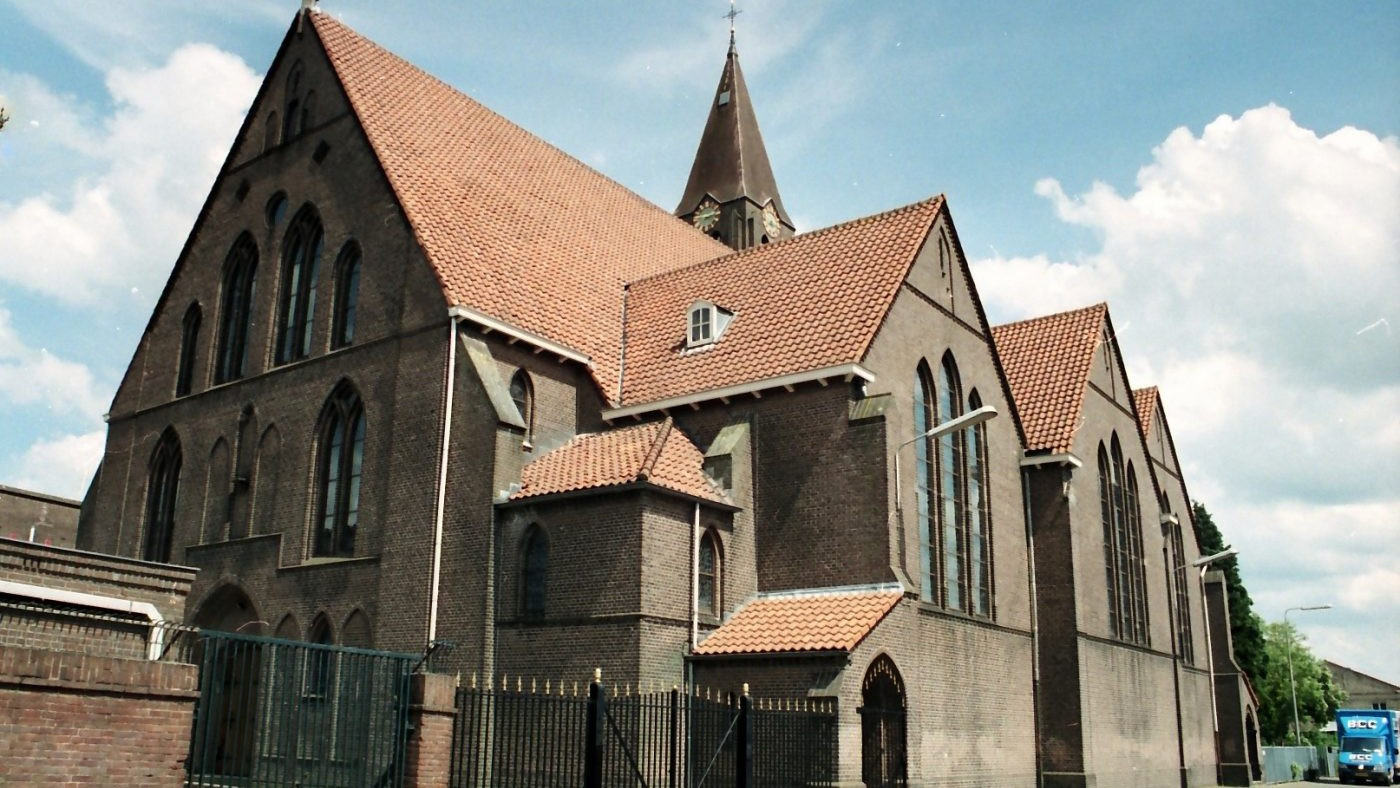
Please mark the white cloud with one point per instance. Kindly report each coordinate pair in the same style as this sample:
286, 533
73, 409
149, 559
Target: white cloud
32, 377
62, 466
156, 153
1241, 272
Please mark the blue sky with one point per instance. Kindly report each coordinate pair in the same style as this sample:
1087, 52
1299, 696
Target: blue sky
1227, 176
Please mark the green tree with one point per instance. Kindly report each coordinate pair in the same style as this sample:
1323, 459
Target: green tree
1318, 696
3, 118
1246, 630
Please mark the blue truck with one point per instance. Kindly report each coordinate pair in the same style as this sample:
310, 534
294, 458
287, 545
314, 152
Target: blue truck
1367, 750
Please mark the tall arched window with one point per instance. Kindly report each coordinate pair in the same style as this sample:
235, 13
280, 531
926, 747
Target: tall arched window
952, 471
236, 309
1122, 533
534, 571
522, 393
301, 257
189, 341
979, 581
709, 589
161, 493
924, 482
347, 295
342, 449
1181, 602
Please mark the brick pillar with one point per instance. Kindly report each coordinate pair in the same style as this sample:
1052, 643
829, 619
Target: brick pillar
431, 714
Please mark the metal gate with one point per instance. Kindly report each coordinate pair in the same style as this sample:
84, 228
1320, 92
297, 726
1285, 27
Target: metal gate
882, 726
282, 712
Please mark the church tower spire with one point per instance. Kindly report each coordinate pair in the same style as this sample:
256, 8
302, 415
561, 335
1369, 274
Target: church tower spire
731, 193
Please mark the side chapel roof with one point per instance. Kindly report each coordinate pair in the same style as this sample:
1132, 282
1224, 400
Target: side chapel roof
1047, 361
656, 453
835, 621
807, 303
513, 227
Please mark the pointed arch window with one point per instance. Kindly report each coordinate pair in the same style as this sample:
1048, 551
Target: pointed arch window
534, 571
925, 482
320, 662
979, 530
236, 309
952, 473
522, 393
301, 256
709, 596
342, 449
1122, 531
161, 493
347, 295
189, 341
1181, 602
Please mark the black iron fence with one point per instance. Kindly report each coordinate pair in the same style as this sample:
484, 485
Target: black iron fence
280, 712
529, 734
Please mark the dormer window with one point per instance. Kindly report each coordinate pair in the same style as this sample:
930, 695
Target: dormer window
707, 322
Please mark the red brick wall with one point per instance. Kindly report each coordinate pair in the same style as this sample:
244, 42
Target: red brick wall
74, 719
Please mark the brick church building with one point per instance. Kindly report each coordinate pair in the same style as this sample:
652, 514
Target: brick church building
417, 375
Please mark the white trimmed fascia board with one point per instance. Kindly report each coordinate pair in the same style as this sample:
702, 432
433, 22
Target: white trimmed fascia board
1052, 459
528, 337
838, 371
82, 599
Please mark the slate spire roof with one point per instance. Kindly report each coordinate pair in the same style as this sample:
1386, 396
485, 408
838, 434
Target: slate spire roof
731, 161
1047, 362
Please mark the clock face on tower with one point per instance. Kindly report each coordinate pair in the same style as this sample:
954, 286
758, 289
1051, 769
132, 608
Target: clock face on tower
706, 216
771, 223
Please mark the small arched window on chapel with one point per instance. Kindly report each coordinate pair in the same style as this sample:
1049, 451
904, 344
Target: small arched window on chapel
522, 393
534, 570
709, 578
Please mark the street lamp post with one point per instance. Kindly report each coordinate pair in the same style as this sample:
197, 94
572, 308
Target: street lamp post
970, 419
1204, 564
1292, 685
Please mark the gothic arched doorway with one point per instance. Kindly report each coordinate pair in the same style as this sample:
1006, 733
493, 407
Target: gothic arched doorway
228, 682
882, 725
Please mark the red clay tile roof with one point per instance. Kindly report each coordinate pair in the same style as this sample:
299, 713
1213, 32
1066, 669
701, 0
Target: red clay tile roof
804, 304
807, 622
1145, 400
1047, 361
513, 227
656, 453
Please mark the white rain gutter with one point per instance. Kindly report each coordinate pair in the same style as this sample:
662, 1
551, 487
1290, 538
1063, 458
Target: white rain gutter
154, 644
515, 332
438, 516
846, 371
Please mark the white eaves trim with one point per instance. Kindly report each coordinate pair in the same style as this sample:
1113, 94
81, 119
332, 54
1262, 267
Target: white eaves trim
1051, 459
528, 337
847, 371
79, 598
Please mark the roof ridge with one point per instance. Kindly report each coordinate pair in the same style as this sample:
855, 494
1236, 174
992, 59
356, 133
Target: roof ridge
753, 250
629, 192
654, 451
1097, 305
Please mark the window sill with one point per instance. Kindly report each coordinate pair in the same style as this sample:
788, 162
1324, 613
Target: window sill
327, 561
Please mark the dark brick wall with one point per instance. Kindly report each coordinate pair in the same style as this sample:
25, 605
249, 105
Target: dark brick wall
76, 719
50, 519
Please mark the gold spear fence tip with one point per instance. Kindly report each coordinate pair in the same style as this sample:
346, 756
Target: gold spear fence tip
533, 688
597, 674
519, 684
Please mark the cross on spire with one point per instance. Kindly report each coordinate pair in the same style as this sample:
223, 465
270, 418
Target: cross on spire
733, 12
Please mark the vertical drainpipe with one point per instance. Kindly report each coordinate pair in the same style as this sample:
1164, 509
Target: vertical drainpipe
1035, 620
695, 580
450, 383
